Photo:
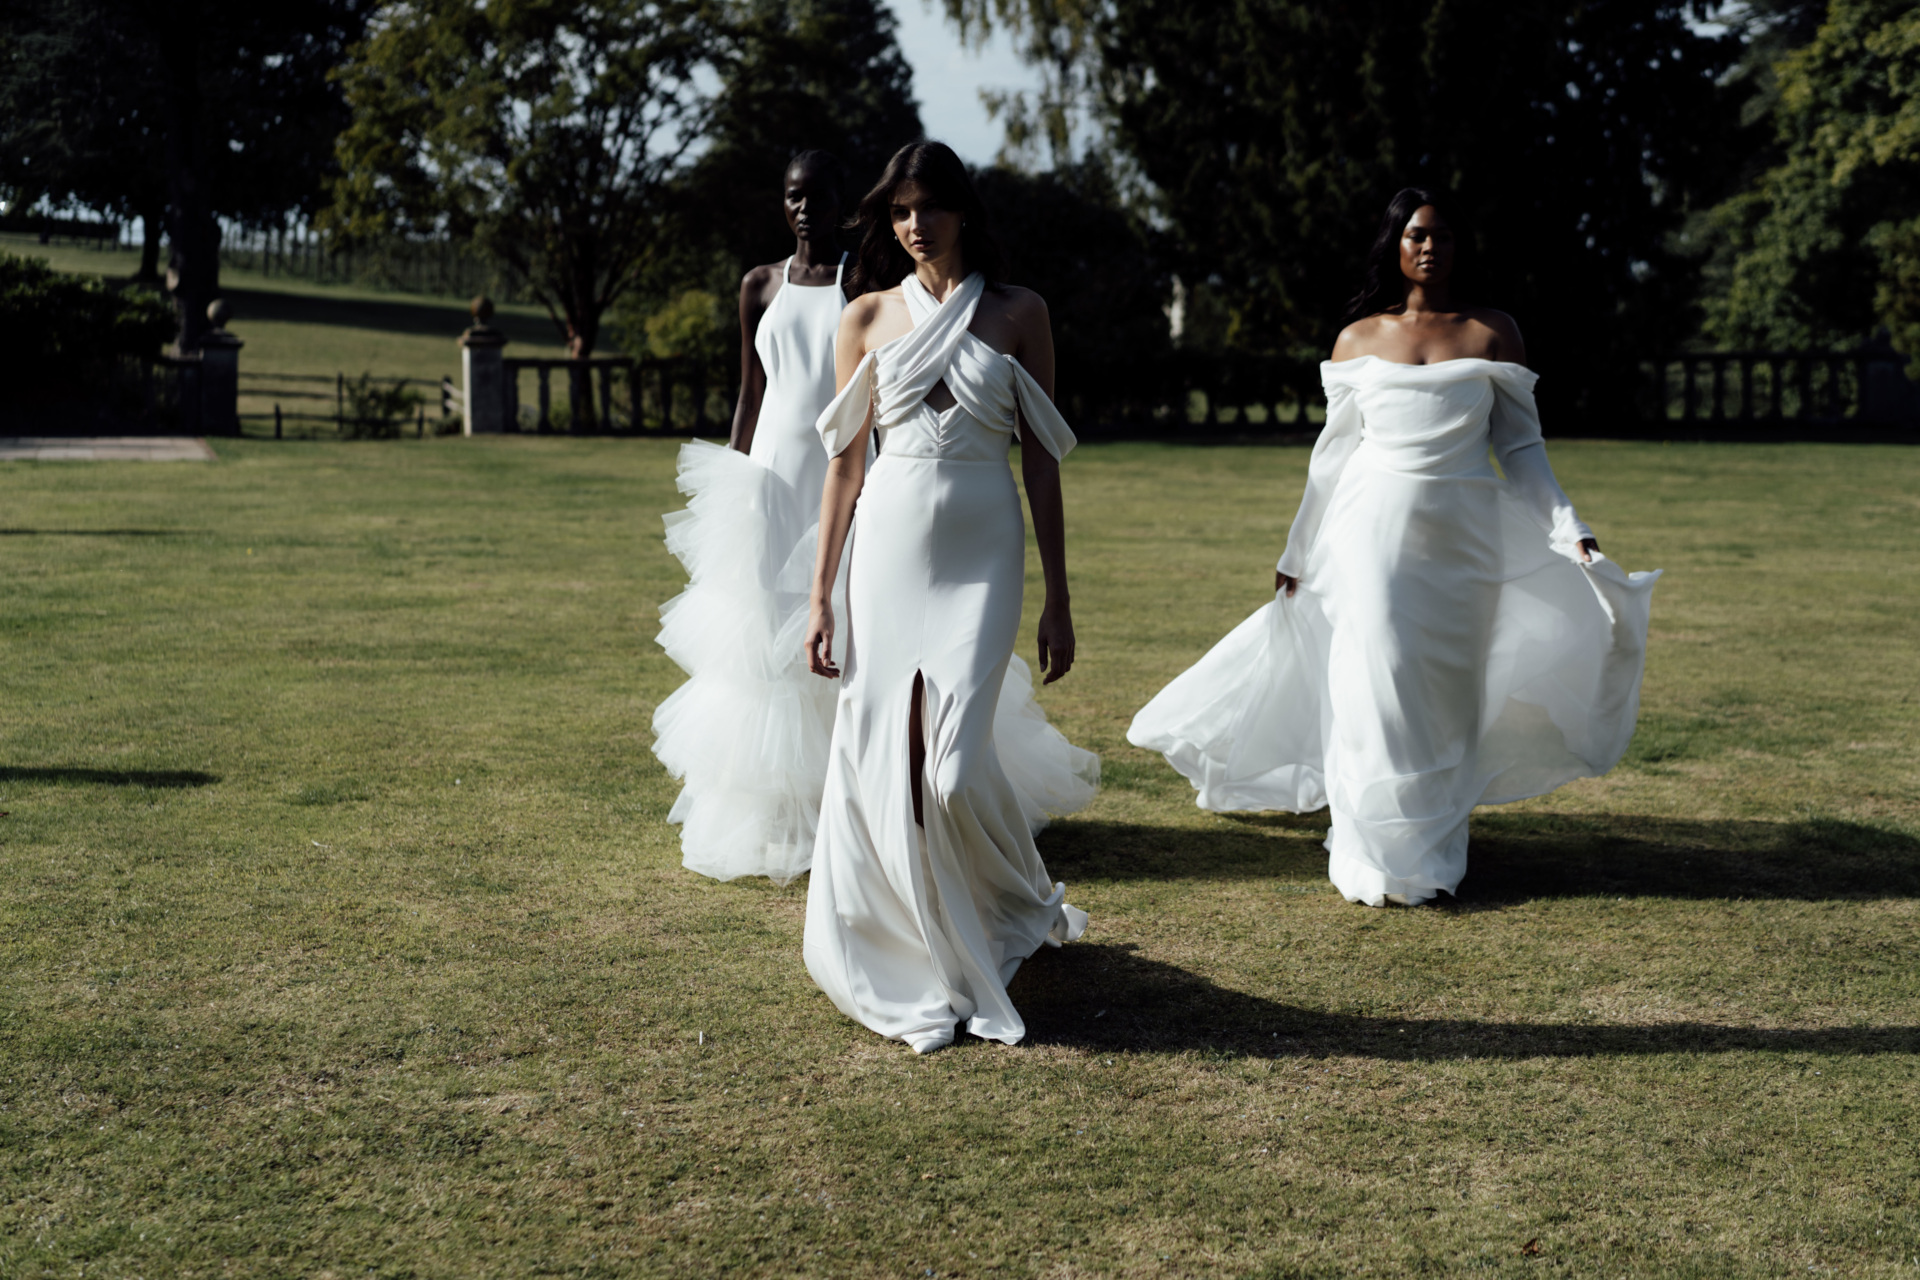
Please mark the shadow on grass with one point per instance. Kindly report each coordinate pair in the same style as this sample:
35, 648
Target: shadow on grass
110, 777
1109, 999
441, 320
93, 533
1520, 856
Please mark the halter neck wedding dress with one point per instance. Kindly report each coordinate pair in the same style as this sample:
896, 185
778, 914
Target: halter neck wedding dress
1447, 647
748, 731
911, 929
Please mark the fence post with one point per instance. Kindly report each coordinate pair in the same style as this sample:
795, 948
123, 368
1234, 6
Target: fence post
482, 365
220, 373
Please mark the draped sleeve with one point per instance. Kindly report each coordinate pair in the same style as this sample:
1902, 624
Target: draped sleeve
1040, 414
1522, 453
1338, 439
840, 422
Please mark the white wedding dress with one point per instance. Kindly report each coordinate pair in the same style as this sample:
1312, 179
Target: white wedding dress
748, 732
910, 930
1446, 648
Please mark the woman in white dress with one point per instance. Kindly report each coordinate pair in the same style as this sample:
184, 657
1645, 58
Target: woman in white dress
1442, 635
748, 731
927, 892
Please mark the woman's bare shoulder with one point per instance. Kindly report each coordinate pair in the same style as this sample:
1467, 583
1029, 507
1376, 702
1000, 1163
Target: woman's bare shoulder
1357, 339
1498, 332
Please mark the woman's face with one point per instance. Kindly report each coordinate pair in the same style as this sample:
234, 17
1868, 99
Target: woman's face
812, 203
1426, 247
926, 231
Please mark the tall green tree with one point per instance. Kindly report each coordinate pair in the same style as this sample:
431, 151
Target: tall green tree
212, 107
1823, 247
799, 74
550, 132
1269, 134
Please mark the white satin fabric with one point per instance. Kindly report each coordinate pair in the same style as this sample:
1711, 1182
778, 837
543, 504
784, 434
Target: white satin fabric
1447, 647
911, 930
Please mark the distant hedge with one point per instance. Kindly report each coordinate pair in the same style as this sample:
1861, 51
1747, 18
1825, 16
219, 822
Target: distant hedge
50, 319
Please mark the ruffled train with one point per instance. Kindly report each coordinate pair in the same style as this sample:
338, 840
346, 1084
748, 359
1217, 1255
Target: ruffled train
749, 731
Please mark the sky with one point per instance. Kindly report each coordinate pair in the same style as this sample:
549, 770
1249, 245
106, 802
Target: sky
947, 79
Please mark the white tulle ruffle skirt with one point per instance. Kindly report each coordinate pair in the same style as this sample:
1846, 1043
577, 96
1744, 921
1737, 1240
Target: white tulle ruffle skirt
748, 733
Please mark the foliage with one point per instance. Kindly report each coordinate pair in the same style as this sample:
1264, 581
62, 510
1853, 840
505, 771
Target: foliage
548, 132
692, 326
377, 409
1824, 246
221, 107
51, 322
1069, 238
1270, 134
799, 75
336, 889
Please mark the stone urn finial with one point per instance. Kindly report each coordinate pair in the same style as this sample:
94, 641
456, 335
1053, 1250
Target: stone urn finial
219, 313
482, 309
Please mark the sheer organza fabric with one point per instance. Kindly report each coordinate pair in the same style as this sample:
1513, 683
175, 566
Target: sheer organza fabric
1447, 646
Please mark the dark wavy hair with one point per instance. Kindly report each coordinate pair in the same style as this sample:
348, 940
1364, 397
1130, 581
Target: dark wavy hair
1383, 286
880, 263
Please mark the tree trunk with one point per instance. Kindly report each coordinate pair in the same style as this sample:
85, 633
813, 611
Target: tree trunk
193, 265
152, 214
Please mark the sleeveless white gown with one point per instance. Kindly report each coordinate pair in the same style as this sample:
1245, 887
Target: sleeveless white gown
910, 930
748, 732
1446, 648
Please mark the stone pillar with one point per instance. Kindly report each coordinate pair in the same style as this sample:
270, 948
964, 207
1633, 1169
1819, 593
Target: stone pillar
481, 364
220, 374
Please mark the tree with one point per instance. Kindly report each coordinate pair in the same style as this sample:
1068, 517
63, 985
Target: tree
1269, 135
216, 107
1824, 245
1068, 237
548, 131
799, 74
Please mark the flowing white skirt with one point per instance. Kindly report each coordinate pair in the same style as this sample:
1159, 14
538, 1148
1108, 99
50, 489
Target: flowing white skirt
1440, 654
748, 732
912, 929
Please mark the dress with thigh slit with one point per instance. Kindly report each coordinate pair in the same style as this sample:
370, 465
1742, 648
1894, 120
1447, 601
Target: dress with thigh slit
748, 732
911, 929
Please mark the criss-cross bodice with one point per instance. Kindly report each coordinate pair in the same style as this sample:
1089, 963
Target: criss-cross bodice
991, 392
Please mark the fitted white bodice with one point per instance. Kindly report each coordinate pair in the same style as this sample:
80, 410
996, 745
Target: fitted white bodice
992, 392
795, 343
1428, 419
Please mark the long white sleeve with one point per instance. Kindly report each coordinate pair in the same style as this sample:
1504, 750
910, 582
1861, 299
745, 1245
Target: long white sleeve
1522, 452
1338, 439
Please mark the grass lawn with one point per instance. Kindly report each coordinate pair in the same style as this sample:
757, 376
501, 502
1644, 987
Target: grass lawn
343, 935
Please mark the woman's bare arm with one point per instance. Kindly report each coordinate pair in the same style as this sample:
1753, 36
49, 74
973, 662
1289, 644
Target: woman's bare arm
753, 376
846, 476
1040, 476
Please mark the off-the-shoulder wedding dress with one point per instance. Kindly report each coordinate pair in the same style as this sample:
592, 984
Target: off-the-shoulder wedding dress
1447, 646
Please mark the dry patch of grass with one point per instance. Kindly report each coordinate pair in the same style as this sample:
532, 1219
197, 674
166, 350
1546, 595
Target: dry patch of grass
343, 935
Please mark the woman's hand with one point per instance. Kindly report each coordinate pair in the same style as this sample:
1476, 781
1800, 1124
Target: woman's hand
1587, 547
1056, 641
1281, 582
820, 641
